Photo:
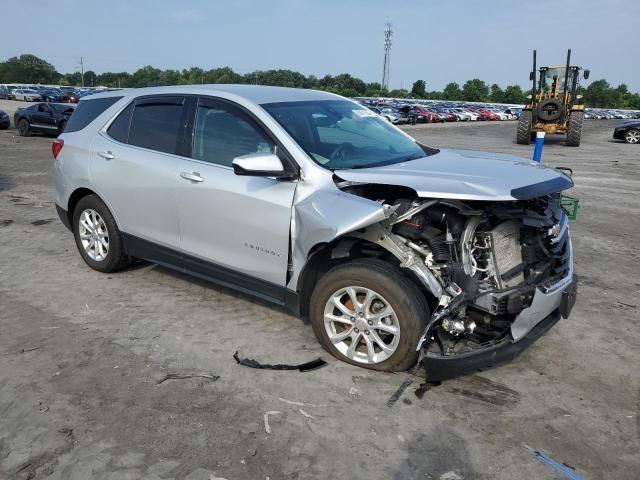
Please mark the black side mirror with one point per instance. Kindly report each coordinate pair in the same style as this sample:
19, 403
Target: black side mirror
587, 72
532, 75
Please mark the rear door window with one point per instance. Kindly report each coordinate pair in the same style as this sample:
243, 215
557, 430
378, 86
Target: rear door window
119, 128
87, 111
158, 123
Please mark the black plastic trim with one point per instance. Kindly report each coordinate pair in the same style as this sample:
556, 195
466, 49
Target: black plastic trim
170, 258
543, 188
439, 368
64, 217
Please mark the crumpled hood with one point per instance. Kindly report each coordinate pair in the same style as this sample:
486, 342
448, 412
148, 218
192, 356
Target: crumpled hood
466, 175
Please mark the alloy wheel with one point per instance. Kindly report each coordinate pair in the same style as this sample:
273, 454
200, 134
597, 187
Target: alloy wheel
632, 136
361, 324
94, 235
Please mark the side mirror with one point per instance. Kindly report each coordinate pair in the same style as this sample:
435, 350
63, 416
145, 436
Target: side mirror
259, 165
532, 75
587, 72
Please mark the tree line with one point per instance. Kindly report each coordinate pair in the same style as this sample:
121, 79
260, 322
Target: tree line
31, 69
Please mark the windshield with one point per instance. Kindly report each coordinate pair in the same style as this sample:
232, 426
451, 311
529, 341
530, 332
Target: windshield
550, 75
339, 134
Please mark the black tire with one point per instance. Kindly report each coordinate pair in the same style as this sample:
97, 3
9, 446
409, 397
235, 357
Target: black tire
398, 290
523, 137
550, 110
574, 132
116, 257
24, 129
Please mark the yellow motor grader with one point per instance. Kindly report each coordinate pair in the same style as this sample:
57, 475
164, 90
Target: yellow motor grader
555, 106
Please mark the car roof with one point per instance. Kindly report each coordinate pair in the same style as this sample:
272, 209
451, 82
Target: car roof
258, 94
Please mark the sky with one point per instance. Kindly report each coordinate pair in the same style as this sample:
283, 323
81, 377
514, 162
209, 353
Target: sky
437, 41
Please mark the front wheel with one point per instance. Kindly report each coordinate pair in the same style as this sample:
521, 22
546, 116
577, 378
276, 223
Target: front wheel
368, 313
632, 136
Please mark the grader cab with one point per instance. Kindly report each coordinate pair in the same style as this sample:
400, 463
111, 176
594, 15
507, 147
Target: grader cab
555, 106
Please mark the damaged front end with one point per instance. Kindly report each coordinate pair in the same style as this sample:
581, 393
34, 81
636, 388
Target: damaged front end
500, 272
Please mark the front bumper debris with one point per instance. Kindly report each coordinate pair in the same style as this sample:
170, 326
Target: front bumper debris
445, 367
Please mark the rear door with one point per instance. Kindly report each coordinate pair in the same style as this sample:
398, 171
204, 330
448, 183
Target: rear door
233, 227
134, 165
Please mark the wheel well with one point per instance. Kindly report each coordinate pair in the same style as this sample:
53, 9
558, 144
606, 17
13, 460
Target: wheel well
74, 199
325, 256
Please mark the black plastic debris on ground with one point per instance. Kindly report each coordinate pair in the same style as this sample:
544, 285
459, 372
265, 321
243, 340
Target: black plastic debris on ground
303, 367
425, 387
398, 393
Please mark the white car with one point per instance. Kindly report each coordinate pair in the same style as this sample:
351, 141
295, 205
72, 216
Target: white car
27, 95
473, 116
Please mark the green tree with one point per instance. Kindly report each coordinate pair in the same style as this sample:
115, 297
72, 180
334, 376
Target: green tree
514, 94
419, 89
27, 68
598, 94
452, 92
496, 95
475, 91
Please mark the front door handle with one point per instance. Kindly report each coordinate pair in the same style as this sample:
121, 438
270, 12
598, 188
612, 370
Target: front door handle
192, 176
107, 155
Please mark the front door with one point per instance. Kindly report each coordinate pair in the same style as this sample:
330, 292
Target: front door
237, 227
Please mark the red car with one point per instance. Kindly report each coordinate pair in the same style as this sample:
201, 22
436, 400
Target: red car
486, 115
425, 116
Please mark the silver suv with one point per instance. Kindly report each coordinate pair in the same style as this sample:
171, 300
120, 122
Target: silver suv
395, 251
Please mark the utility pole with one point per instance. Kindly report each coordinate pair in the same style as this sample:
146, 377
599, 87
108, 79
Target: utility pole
82, 71
387, 57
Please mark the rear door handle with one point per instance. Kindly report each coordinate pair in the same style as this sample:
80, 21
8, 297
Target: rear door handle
107, 155
192, 176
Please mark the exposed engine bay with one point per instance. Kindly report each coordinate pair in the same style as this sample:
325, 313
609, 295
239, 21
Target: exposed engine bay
481, 261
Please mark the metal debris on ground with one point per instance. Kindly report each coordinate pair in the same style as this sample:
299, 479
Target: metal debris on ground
303, 367
183, 376
563, 469
398, 393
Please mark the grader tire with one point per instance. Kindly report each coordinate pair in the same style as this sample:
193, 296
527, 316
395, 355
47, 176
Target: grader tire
574, 132
524, 128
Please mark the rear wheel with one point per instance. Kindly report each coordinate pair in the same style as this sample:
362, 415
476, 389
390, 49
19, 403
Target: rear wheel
367, 313
523, 137
97, 236
632, 136
574, 132
24, 129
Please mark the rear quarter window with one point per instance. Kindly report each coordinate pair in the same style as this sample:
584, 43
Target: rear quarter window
87, 111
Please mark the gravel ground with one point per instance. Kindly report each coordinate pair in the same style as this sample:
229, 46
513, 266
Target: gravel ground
81, 354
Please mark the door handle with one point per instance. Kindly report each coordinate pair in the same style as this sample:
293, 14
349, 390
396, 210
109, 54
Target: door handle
192, 176
107, 155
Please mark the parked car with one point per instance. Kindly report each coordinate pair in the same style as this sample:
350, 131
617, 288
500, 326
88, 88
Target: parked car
628, 131
4, 120
388, 113
309, 200
46, 118
52, 95
8, 91
26, 95
423, 115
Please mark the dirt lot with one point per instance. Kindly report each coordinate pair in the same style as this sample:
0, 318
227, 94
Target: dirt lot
81, 354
